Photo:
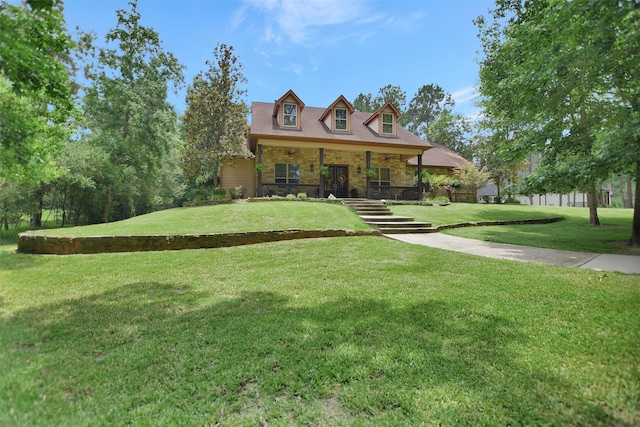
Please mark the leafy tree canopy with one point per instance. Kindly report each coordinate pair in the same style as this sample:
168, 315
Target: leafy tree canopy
35, 100
451, 130
426, 106
128, 112
555, 74
215, 121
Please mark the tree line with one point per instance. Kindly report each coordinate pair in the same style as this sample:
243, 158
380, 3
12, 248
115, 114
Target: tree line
111, 147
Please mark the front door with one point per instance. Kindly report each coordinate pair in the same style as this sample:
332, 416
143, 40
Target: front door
337, 183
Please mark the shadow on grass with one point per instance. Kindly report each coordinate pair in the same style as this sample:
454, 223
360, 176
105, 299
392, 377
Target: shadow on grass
153, 352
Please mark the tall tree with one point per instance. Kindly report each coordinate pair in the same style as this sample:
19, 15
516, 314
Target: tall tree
619, 142
426, 106
389, 93
215, 121
451, 130
543, 74
128, 112
35, 100
429, 102
364, 102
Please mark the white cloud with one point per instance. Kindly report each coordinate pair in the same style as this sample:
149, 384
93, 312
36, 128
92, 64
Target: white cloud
465, 99
300, 22
465, 95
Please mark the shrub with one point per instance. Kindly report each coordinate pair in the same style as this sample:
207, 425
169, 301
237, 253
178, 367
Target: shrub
239, 192
512, 201
218, 193
291, 196
441, 199
302, 195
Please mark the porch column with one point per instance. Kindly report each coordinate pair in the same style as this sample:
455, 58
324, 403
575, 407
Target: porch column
259, 170
419, 177
368, 166
320, 164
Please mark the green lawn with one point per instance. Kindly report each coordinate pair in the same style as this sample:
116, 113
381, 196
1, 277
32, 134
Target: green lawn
342, 331
236, 217
573, 234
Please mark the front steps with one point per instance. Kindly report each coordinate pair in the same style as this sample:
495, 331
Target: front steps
378, 215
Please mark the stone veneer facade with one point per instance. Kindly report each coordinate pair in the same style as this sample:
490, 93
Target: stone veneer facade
401, 175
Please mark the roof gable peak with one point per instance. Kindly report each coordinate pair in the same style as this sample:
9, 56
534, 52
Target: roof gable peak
387, 105
290, 94
341, 101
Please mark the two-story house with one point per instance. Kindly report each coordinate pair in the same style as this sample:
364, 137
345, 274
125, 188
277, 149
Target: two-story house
333, 150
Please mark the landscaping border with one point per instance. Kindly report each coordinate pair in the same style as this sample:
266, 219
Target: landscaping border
32, 243
498, 222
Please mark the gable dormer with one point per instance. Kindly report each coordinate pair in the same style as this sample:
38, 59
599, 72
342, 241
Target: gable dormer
384, 121
288, 111
337, 116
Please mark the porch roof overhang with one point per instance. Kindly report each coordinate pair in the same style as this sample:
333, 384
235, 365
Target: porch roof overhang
352, 146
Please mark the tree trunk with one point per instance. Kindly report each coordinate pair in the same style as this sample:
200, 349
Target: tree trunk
635, 228
592, 199
107, 205
36, 219
624, 202
630, 191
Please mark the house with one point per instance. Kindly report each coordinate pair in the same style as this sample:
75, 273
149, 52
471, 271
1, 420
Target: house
332, 150
573, 198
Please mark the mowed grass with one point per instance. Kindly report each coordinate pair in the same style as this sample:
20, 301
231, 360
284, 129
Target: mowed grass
227, 218
341, 331
573, 234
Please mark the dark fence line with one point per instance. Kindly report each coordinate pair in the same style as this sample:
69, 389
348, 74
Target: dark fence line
275, 189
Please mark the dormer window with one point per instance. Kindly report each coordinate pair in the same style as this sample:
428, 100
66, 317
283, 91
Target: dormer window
387, 123
287, 111
383, 121
341, 119
337, 116
291, 115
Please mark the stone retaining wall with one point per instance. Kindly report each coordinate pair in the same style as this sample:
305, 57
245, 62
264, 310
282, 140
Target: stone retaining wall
500, 222
32, 243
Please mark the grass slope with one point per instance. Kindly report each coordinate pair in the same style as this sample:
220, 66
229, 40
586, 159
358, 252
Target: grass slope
342, 331
573, 234
235, 217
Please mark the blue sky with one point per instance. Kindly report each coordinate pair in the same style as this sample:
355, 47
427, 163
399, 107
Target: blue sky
319, 48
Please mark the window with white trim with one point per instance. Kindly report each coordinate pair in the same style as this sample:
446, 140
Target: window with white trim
290, 115
287, 173
382, 178
340, 119
387, 123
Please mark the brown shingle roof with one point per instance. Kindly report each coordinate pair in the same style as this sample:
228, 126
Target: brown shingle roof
263, 124
440, 156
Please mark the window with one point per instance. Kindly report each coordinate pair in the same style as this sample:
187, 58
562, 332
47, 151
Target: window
341, 119
290, 115
382, 178
287, 173
387, 123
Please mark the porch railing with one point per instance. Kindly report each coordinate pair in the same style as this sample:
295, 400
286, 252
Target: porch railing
273, 189
394, 193
313, 190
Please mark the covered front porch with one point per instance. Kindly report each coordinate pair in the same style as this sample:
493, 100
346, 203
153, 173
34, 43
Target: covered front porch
347, 172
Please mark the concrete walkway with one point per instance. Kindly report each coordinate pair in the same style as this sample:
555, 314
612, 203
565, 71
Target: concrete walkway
629, 264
